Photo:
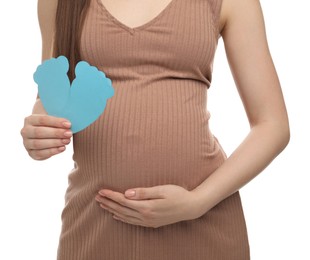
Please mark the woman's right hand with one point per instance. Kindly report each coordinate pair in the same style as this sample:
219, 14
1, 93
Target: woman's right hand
45, 136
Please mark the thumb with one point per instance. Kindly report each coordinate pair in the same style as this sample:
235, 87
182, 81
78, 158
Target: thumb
156, 192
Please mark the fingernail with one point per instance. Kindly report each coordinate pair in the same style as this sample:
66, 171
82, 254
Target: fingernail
66, 141
66, 124
68, 133
102, 193
130, 193
61, 149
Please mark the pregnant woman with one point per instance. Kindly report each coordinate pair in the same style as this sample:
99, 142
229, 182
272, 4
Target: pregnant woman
150, 180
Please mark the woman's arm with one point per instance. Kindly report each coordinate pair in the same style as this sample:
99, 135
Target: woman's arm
46, 18
259, 88
43, 135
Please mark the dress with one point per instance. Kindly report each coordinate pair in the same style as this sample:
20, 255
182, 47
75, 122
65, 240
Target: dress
154, 131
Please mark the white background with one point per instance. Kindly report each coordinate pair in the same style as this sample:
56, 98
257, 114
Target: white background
276, 203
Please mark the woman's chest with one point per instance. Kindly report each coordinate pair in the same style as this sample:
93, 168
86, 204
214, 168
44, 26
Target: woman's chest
135, 13
180, 38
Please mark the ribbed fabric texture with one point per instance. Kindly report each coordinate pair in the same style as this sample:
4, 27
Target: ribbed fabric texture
154, 131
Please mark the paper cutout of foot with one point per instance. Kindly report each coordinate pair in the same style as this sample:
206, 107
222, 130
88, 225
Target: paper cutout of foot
82, 102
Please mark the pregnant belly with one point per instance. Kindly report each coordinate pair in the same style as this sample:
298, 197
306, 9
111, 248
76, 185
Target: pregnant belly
143, 143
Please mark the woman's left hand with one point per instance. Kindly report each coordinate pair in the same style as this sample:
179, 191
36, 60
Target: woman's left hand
151, 207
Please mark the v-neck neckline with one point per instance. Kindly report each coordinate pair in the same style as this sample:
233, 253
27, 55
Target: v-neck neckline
139, 27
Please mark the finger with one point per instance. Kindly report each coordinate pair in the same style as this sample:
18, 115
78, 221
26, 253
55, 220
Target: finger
133, 221
47, 120
45, 153
43, 132
40, 144
129, 220
117, 209
156, 192
122, 200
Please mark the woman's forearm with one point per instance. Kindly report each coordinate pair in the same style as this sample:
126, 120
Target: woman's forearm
264, 142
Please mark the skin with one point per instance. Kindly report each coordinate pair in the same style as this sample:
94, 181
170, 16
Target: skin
45, 136
242, 28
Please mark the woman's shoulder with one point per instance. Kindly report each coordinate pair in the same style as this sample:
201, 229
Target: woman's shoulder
234, 11
46, 16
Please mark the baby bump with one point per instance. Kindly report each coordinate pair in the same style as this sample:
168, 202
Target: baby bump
146, 140
122, 153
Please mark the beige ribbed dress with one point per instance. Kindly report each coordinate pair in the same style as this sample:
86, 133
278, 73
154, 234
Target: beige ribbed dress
154, 131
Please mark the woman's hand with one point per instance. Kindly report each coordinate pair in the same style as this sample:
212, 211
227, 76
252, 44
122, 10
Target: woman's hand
151, 207
45, 136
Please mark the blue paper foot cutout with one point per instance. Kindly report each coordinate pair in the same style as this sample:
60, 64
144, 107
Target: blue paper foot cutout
83, 102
